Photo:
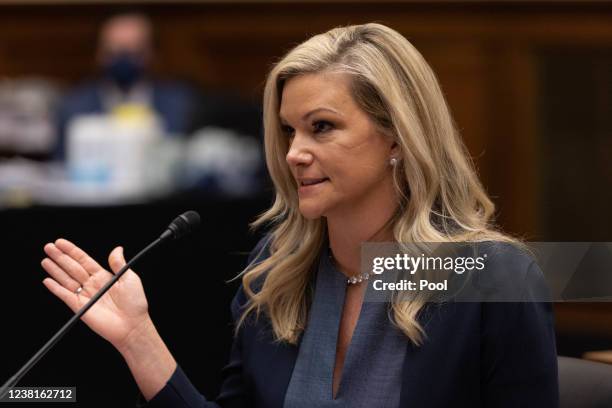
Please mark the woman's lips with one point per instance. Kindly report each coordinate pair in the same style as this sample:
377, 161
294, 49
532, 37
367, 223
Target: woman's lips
311, 185
311, 181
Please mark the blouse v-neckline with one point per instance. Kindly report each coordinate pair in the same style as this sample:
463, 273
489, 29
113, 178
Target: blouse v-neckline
352, 334
311, 383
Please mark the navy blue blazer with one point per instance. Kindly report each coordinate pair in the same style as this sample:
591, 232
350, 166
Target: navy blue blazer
475, 355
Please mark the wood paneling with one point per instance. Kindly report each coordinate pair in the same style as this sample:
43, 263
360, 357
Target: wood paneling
485, 55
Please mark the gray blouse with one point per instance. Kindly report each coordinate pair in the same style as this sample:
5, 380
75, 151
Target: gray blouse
369, 377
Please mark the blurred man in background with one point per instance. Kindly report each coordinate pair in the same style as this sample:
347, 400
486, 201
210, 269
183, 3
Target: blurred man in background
124, 56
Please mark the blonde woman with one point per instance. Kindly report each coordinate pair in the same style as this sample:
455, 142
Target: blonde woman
361, 147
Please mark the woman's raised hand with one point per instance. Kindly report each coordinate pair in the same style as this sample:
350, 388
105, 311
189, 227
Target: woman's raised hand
120, 312
120, 316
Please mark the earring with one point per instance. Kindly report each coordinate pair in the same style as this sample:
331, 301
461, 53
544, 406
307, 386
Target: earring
393, 161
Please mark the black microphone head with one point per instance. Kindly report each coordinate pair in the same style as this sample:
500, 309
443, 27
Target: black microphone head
182, 225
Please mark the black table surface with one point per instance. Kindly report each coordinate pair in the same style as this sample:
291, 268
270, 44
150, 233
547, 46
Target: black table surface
186, 283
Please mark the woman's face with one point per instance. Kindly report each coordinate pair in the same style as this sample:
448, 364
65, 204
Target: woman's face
338, 157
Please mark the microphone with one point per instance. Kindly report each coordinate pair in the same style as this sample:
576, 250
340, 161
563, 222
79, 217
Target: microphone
182, 225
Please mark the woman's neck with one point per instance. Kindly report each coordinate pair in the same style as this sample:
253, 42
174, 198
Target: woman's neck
346, 232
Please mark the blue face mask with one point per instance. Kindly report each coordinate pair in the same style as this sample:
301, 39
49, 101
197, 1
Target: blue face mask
124, 70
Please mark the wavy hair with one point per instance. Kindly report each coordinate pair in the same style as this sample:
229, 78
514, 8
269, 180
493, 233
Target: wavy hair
440, 198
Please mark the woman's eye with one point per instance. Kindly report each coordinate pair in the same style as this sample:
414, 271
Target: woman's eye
287, 130
321, 126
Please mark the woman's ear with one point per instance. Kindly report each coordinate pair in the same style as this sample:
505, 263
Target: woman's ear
395, 150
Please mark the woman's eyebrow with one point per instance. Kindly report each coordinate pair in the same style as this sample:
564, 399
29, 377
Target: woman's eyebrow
312, 112
307, 115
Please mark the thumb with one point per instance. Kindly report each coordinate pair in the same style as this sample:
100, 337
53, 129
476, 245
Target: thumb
116, 259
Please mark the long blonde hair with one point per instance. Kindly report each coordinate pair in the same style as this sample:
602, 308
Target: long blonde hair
440, 196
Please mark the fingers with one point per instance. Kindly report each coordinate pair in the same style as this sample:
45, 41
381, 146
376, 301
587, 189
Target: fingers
69, 298
80, 256
67, 263
59, 275
116, 259
71, 267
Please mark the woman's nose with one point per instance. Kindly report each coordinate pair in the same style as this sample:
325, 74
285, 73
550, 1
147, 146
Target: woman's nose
299, 153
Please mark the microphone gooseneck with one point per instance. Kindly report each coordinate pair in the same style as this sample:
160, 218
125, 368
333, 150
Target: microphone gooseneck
181, 226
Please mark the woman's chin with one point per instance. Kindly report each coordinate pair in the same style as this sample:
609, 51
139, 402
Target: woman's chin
311, 212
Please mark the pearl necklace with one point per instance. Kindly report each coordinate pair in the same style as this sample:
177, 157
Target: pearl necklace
353, 280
